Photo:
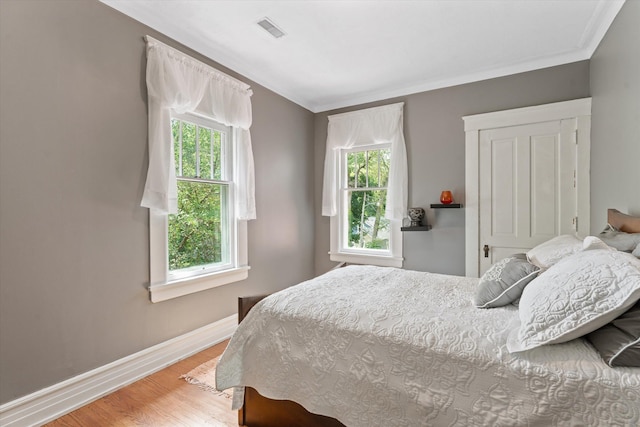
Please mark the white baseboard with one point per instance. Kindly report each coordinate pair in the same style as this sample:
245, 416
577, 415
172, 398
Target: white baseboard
59, 399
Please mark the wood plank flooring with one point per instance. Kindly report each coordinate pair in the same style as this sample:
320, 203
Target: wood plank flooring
161, 399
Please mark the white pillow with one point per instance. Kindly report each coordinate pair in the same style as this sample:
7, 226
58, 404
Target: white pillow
592, 242
578, 295
550, 252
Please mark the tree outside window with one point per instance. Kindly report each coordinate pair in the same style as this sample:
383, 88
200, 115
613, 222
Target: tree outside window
366, 193
198, 235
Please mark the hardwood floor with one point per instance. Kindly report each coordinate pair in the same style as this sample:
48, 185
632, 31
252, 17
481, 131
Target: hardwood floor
161, 399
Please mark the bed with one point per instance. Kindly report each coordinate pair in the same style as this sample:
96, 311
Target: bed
374, 346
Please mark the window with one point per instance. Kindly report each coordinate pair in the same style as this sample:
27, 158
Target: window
360, 232
199, 234
200, 186
200, 248
365, 185
364, 188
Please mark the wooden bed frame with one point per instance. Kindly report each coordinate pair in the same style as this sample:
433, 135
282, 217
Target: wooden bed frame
259, 411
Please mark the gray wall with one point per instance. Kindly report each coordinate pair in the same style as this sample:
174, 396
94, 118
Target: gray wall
74, 251
615, 126
434, 134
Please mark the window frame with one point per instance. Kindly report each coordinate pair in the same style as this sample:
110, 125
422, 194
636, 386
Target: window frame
339, 251
165, 284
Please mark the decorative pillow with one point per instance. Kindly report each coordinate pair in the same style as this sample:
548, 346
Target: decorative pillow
550, 252
578, 295
620, 240
619, 341
592, 242
504, 281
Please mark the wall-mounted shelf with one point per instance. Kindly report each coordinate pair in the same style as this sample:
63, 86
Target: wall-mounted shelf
443, 206
418, 228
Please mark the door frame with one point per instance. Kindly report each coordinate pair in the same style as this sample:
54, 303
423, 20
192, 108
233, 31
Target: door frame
580, 109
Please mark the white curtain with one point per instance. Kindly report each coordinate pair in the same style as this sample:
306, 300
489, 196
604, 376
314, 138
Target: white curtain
178, 82
380, 125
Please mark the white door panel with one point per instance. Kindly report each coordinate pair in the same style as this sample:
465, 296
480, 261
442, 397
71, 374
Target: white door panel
527, 193
528, 179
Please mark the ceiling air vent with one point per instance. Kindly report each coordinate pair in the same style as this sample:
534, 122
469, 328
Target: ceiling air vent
271, 28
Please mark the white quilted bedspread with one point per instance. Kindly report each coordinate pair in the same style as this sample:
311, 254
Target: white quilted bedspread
376, 346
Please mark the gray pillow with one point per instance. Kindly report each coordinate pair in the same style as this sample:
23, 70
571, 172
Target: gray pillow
620, 240
618, 342
504, 281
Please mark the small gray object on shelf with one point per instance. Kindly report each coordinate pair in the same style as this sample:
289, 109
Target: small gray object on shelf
416, 215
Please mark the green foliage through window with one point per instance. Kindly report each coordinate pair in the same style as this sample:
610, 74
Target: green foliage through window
198, 234
367, 177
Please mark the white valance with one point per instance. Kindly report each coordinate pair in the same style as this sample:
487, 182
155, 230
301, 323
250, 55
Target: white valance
177, 82
379, 125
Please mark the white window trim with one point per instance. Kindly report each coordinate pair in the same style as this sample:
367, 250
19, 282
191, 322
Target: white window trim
338, 253
162, 289
162, 285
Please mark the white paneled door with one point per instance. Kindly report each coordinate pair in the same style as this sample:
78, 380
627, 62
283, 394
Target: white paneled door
527, 188
526, 179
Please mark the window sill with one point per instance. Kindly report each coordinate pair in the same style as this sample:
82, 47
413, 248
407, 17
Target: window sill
168, 290
382, 261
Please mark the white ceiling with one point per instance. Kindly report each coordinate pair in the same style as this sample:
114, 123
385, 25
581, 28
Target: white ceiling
342, 53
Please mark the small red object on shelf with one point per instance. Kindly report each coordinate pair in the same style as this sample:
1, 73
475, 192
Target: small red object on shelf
446, 197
